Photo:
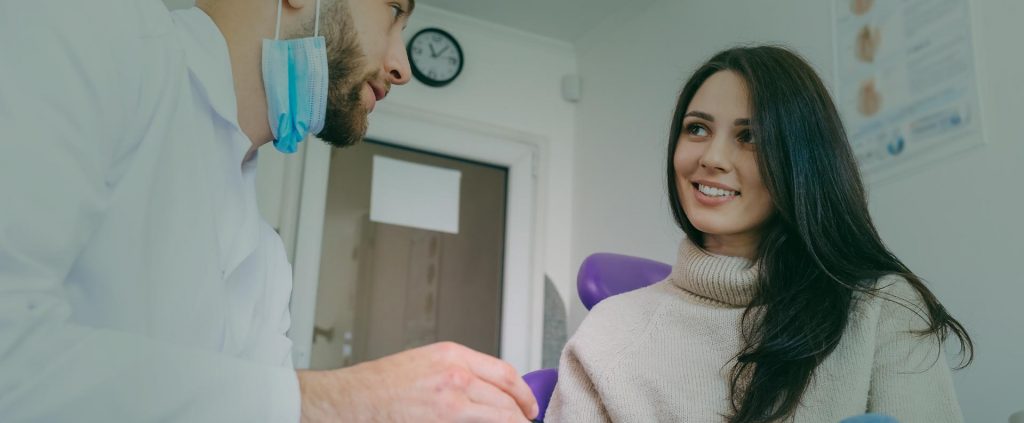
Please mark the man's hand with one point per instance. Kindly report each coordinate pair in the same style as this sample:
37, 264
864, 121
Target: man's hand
443, 382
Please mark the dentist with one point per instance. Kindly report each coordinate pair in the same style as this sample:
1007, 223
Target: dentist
138, 281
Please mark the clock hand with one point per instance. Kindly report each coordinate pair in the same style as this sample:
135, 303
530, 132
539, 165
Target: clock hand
442, 51
433, 54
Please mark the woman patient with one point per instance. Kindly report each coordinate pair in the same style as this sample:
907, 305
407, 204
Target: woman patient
784, 304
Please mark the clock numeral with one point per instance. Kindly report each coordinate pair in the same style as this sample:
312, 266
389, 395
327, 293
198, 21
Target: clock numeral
417, 51
453, 61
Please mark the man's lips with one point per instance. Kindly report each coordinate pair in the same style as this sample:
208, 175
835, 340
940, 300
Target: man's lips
378, 92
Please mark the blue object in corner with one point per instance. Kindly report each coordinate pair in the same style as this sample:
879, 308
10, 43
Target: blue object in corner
870, 418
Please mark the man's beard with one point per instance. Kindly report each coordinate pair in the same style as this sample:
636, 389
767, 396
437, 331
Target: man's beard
346, 118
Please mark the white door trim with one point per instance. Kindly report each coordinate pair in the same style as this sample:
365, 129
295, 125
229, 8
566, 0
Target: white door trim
523, 287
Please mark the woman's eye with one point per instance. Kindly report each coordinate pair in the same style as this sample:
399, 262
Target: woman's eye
745, 137
697, 130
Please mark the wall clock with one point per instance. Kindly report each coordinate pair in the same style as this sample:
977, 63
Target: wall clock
435, 57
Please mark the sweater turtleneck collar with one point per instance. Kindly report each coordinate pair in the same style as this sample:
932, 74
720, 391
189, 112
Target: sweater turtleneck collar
717, 280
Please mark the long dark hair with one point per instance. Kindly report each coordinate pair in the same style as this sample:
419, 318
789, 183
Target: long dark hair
819, 248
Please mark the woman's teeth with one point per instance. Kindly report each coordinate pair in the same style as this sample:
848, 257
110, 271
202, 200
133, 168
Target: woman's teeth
715, 192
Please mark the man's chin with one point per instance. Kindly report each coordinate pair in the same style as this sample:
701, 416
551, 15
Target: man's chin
346, 130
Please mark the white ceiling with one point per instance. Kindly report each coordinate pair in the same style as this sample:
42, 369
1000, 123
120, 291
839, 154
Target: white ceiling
565, 20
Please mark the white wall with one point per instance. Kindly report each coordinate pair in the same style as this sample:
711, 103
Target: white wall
511, 81
957, 224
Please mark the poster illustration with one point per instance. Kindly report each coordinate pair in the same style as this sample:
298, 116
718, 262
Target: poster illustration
905, 80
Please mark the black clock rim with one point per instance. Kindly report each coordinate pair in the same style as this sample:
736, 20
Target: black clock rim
424, 78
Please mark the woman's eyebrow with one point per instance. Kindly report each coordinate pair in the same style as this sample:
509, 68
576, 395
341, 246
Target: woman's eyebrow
701, 115
709, 118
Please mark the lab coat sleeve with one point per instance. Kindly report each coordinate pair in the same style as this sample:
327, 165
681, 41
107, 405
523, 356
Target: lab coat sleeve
65, 98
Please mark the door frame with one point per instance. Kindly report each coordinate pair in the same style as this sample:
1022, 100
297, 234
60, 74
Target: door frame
426, 130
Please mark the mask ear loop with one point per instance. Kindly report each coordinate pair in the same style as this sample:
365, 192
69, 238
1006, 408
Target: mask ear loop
316, 26
277, 29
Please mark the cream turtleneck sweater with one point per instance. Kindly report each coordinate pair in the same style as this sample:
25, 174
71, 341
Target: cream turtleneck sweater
664, 354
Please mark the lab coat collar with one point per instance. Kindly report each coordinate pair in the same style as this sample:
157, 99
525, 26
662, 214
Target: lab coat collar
209, 62
209, 65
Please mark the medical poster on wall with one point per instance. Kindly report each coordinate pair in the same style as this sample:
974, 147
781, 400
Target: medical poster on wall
905, 81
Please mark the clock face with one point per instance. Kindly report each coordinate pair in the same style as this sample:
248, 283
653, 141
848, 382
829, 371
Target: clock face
435, 56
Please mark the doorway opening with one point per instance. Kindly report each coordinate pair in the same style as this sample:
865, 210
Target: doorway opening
384, 287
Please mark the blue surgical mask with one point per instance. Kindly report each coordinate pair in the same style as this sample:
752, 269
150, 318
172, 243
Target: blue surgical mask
295, 79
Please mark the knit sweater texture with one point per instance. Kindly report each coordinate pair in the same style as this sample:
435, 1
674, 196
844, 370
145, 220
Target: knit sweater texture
665, 353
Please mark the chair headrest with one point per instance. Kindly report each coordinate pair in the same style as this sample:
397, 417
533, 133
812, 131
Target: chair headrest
606, 274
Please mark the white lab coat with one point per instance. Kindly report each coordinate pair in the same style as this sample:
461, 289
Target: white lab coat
137, 279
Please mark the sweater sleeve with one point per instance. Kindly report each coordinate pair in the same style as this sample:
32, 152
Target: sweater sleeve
911, 379
575, 398
588, 389
591, 356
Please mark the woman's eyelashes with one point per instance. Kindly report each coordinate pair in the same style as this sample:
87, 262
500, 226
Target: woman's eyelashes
700, 130
697, 130
745, 137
